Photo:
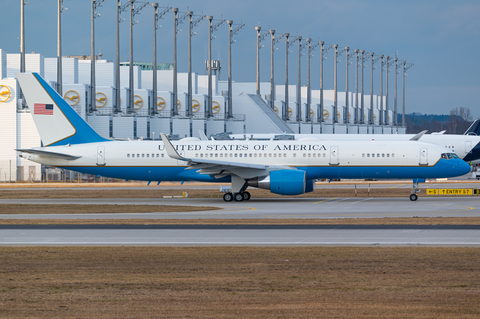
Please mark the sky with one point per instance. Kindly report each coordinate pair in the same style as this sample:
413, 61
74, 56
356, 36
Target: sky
439, 38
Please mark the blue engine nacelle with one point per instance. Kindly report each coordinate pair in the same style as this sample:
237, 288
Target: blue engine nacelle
284, 182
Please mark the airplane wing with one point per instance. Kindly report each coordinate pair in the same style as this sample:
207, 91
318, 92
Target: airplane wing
67, 157
220, 169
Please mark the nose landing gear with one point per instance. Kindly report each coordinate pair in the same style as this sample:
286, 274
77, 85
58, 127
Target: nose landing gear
415, 190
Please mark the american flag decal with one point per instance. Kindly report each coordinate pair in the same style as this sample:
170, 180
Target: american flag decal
43, 109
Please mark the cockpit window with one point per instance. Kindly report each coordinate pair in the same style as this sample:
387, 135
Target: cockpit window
449, 156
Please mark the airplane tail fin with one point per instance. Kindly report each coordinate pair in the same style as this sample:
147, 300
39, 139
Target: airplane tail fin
474, 129
56, 121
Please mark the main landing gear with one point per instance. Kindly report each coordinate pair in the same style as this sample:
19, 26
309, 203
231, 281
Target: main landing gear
239, 197
415, 190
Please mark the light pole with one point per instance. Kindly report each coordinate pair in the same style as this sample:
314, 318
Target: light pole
322, 58
95, 5
120, 8
299, 88
387, 64
211, 27
405, 68
260, 37
395, 121
133, 12
285, 108
61, 9
355, 118
231, 33
309, 88
272, 78
191, 24
381, 90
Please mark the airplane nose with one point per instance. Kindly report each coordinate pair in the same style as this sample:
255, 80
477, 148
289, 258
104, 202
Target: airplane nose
463, 167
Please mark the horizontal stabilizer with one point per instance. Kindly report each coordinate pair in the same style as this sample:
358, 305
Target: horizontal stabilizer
418, 136
67, 157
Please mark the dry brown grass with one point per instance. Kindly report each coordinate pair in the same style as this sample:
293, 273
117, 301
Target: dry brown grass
271, 221
247, 282
95, 209
197, 193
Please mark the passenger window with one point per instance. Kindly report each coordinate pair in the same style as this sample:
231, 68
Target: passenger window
309, 155
269, 155
216, 154
235, 154
324, 155
393, 154
313, 154
304, 155
162, 155
368, 154
255, 155
274, 154
378, 155
138, 155
231, 154
221, 154
294, 155
128, 155
388, 154
240, 155
383, 155
284, 154
201, 155
148, 155
363, 155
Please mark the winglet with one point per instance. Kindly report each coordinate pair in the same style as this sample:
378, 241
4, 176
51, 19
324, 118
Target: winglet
170, 149
202, 135
418, 136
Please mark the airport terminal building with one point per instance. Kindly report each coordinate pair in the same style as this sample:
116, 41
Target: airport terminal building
250, 113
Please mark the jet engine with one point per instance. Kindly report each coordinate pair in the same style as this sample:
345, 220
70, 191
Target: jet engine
284, 182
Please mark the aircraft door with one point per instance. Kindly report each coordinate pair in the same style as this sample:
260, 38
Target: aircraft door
468, 147
181, 163
334, 155
101, 155
423, 156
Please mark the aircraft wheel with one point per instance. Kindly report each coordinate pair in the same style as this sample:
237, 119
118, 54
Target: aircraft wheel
246, 196
413, 197
228, 197
238, 197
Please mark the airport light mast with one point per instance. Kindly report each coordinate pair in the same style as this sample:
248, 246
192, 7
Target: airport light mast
285, 107
95, 4
133, 12
388, 63
211, 28
309, 88
405, 68
355, 117
191, 24
362, 113
299, 88
231, 33
61, 9
260, 37
347, 63
156, 18
395, 121
322, 58
272, 79
381, 90
335, 98
120, 8
373, 61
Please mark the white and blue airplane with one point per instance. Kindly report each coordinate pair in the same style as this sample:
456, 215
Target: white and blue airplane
466, 146
283, 167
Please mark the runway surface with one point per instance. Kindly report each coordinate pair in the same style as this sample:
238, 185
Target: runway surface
361, 207
239, 235
256, 235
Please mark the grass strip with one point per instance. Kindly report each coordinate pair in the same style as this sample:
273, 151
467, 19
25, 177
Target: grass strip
234, 282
